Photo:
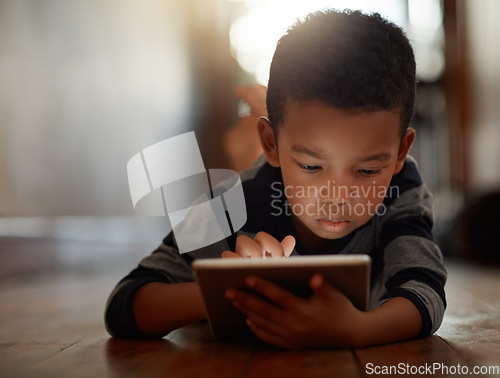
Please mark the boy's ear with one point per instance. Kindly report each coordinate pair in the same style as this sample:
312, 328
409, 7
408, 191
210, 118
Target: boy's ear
404, 148
268, 141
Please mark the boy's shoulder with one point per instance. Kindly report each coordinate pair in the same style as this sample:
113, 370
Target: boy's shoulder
253, 172
408, 197
259, 179
408, 178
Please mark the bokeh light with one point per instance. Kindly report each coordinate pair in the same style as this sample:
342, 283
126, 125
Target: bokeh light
256, 31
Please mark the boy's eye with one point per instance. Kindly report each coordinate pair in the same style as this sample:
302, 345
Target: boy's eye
369, 172
309, 168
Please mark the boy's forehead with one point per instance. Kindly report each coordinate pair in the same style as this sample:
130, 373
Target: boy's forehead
293, 109
315, 121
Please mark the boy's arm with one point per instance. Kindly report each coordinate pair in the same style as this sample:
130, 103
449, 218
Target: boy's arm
395, 320
413, 266
157, 283
414, 270
145, 304
159, 308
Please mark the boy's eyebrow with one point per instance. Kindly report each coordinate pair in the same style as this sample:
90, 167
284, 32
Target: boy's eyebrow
382, 156
304, 150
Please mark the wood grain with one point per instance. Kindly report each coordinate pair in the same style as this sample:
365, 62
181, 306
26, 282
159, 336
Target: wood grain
51, 325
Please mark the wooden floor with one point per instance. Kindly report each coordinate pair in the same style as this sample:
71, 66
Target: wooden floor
51, 325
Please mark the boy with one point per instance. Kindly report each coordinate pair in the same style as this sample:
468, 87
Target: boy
337, 180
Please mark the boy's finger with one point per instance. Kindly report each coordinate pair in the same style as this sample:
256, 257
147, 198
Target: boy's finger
269, 244
274, 293
288, 244
322, 287
229, 255
268, 338
251, 304
246, 247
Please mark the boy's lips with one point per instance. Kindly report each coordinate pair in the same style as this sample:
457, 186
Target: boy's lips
334, 225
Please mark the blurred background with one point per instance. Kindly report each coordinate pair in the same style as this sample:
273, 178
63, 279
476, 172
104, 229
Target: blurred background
86, 84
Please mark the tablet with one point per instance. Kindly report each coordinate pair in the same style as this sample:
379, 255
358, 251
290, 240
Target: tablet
349, 273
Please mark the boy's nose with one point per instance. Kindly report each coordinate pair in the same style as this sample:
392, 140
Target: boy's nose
335, 194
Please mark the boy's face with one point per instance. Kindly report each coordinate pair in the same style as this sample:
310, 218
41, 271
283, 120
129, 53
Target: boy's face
336, 167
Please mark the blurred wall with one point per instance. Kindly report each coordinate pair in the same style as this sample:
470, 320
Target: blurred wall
84, 85
483, 45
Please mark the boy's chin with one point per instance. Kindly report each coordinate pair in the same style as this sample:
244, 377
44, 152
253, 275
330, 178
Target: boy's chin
320, 240
332, 236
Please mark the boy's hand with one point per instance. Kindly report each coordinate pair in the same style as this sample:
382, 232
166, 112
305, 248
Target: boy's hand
326, 319
262, 246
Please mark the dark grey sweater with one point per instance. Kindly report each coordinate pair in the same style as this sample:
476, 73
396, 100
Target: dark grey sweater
405, 260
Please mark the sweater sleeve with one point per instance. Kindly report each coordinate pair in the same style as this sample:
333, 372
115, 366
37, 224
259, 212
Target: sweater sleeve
119, 317
413, 265
164, 265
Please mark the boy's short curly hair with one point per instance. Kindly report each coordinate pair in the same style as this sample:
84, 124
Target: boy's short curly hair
348, 60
